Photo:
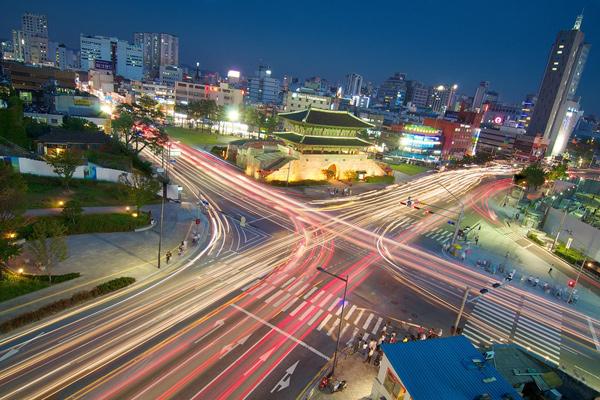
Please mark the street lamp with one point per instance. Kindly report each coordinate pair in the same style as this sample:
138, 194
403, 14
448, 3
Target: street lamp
482, 292
460, 215
337, 344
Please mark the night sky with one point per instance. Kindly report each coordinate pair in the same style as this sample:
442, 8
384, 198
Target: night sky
463, 42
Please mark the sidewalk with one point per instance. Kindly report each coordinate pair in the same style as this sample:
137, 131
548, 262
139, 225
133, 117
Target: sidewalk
358, 375
101, 257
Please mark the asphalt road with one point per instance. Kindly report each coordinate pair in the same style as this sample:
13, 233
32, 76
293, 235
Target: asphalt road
249, 316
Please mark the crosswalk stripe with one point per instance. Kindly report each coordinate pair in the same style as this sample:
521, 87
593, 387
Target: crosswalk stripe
352, 309
368, 322
277, 280
339, 311
303, 288
355, 333
475, 337
289, 304
488, 325
272, 297
248, 286
310, 292
325, 300
321, 293
288, 282
537, 326
306, 312
379, 321
494, 316
314, 317
359, 316
335, 303
324, 322
502, 313
539, 350
263, 293
535, 334
335, 324
293, 287
344, 330
554, 347
297, 308
282, 299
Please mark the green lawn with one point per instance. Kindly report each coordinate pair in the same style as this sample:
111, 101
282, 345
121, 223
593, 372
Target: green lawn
193, 137
409, 169
95, 223
46, 192
14, 285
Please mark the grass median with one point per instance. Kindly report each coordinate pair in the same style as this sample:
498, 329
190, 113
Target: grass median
63, 304
14, 285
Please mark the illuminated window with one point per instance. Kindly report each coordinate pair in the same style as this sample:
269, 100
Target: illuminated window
562, 46
559, 52
554, 69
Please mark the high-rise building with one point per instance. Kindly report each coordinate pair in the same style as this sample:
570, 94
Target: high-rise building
479, 95
556, 98
160, 49
120, 56
263, 88
34, 31
417, 93
527, 107
353, 85
392, 92
18, 45
63, 57
441, 98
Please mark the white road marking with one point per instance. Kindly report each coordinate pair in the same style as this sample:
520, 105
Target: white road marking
368, 322
335, 303
310, 292
324, 322
325, 300
594, 337
379, 321
359, 316
284, 333
315, 317
297, 309
352, 309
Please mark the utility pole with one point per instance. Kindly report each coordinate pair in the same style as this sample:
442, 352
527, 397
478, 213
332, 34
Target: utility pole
164, 180
585, 259
560, 228
462, 307
337, 344
460, 215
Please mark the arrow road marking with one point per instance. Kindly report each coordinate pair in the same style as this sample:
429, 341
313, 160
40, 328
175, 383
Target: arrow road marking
261, 360
285, 381
229, 348
217, 325
15, 349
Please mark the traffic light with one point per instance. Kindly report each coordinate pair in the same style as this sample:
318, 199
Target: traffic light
571, 283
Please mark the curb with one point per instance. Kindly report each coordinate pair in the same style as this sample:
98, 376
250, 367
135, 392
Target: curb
145, 228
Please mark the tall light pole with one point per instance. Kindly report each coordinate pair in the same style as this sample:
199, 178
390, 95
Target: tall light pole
164, 180
337, 343
482, 292
460, 214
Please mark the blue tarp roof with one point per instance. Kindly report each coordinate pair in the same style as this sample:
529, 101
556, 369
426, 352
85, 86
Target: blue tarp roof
444, 369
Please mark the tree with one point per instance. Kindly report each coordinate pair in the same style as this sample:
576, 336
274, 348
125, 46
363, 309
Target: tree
12, 206
558, 172
78, 124
72, 211
533, 175
64, 164
141, 189
135, 127
48, 244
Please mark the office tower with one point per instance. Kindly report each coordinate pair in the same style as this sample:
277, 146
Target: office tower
557, 104
160, 49
417, 93
262, 88
392, 91
527, 107
34, 40
480, 95
441, 98
109, 53
353, 85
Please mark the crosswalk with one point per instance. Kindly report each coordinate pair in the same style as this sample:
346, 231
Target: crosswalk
500, 319
317, 308
439, 234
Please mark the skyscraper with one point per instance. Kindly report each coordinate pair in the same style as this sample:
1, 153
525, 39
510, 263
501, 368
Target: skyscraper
34, 31
392, 92
479, 95
353, 85
119, 56
557, 105
262, 88
160, 49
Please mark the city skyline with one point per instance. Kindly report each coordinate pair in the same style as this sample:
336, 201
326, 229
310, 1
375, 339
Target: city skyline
358, 49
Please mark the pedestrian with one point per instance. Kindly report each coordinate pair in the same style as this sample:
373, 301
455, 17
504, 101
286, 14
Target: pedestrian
168, 256
370, 356
180, 249
550, 271
372, 344
365, 347
476, 240
381, 339
356, 345
393, 338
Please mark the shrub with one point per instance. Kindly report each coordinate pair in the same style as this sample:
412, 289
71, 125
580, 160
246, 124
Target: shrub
380, 179
61, 305
306, 182
570, 255
534, 238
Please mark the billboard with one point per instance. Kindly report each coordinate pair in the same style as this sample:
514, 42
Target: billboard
104, 65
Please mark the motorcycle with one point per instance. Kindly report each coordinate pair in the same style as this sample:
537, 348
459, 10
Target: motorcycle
338, 385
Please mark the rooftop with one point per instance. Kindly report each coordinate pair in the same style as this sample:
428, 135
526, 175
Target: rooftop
421, 129
79, 137
314, 116
447, 368
322, 140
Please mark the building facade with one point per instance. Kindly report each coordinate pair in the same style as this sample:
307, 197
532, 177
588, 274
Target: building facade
419, 143
417, 94
480, 95
306, 98
124, 59
353, 85
159, 49
559, 85
392, 92
170, 74
222, 94
34, 28
263, 88
457, 137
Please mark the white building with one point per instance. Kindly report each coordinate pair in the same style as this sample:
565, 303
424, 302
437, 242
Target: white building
34, 28
163, 94
306, 98
353, 85
124, 58
63, 57
263, 88
222, 94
